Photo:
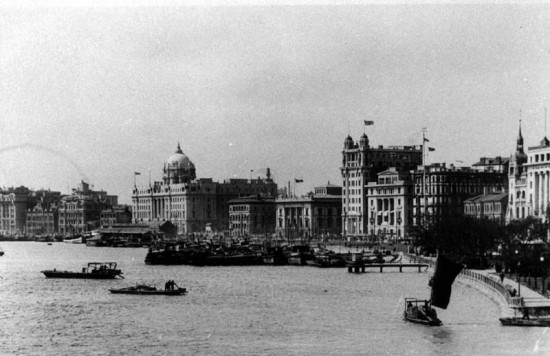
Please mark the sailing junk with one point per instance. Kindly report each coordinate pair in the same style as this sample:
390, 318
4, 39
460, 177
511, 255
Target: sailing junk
442, 280
421, 311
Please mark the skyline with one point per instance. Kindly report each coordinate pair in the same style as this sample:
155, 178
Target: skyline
100, 93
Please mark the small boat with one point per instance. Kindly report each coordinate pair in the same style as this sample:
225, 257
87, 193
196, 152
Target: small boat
1, 252
421, 311
143, 289
532, 316
94, 270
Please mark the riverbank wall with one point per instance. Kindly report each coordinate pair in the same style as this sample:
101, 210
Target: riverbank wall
488, 284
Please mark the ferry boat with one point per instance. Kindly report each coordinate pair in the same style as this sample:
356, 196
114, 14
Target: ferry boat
94, 270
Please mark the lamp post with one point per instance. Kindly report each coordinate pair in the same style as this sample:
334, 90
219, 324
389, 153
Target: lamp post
543, 277
517, 273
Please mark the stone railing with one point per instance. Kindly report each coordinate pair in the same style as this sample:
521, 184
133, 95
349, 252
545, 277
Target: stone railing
475, 277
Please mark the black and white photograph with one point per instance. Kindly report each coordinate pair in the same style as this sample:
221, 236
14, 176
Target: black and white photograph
274, 177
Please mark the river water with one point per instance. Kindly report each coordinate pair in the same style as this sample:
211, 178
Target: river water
263, 310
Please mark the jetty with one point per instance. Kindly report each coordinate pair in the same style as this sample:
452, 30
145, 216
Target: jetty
361, 268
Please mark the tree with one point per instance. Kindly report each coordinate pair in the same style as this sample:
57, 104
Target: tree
467, 239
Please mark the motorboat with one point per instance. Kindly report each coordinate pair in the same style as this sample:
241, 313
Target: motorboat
94, 270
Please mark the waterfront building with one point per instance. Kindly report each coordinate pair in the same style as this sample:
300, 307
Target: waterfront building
492, 164
360, 164
133, 235
13, 210
119, 214
42, 215
81, 211
42, 220
519, 207
252, 216
491, 206
317, 215
538, 180
529, 181
390, 205
440, 190
192, 204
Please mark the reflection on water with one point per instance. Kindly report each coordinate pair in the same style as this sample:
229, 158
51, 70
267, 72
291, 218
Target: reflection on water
235, 311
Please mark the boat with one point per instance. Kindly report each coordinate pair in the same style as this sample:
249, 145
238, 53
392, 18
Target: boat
94, 270
531, 316
144, 289
274, 256
1, 252
77, 240
233, 258
421, 311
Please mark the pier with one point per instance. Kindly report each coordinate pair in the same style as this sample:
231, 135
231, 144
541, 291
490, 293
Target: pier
362, 268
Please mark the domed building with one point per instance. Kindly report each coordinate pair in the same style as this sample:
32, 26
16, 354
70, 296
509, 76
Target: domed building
190, 203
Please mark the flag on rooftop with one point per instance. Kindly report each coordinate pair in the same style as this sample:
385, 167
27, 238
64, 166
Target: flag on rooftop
431, 149
426, 140
137, 173
368, 122
296, 180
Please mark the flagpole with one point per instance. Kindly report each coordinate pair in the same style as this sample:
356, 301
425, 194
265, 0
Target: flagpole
424, 175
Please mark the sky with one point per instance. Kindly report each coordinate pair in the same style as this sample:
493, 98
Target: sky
98, 93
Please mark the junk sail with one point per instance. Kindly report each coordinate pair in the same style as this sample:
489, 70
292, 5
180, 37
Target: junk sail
445, 273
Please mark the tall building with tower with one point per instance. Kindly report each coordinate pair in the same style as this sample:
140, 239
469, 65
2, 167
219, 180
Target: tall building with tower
361, 164
529, 181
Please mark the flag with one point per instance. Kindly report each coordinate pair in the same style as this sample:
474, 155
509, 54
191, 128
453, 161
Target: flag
137, 173
445, 273
431, 149
368, 122
426, 140
298, 180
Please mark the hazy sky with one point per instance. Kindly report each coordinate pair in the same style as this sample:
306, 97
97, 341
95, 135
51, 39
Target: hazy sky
99, 93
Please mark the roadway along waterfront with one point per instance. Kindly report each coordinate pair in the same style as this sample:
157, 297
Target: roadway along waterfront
256, 310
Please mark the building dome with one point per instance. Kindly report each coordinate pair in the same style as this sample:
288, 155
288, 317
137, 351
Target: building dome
178, 168
179, 159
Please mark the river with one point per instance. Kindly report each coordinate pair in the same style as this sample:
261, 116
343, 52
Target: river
262, 310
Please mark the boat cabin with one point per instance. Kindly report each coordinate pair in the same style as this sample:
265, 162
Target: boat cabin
100, 267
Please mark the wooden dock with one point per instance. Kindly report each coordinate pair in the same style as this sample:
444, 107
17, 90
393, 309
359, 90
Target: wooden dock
362, 268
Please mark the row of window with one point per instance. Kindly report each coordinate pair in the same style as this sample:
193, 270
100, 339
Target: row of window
488, 208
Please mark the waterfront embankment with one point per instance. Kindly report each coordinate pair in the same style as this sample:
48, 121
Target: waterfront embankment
488, 283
